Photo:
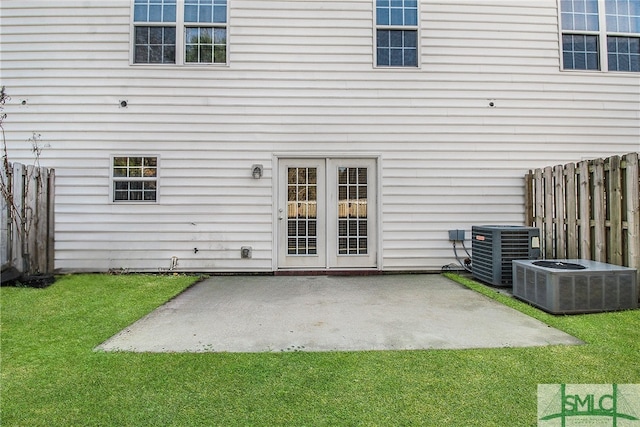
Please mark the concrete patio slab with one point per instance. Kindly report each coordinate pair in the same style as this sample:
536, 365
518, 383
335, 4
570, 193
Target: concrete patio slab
331, 313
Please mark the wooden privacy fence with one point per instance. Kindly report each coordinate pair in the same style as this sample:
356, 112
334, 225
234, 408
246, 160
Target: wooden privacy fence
28, 219
588, 210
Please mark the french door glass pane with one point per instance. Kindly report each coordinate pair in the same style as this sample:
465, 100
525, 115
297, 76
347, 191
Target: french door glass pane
302, 212
352, 211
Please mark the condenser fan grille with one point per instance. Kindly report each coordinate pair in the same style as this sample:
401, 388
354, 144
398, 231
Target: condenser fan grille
494, 247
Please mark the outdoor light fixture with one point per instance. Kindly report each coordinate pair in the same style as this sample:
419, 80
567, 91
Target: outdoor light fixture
256, 171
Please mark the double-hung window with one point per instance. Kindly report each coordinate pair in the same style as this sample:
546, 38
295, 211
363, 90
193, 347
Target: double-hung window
154, 32
600, 35
135, 179
206, 31
397, 33
180, 32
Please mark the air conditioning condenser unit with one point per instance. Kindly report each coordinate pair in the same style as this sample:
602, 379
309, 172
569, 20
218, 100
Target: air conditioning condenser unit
494, 247
575, 285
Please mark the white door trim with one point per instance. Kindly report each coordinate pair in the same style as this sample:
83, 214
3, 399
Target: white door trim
376, 223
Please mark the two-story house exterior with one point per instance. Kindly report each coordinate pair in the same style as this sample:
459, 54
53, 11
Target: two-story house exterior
260, 136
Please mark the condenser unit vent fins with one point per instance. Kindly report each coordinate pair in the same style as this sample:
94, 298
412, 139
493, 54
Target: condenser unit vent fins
595, 287
494, 247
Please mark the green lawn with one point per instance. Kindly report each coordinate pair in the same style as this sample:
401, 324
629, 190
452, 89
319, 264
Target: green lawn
52, 377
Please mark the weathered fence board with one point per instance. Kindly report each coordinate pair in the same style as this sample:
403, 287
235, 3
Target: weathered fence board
614, 196
548, 245
560, 213
633, 210
584, 211
599, 218
588, 210
51, 191
571, 211
5, 250
28, 219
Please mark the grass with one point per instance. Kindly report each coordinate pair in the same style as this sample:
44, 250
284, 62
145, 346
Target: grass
51, 376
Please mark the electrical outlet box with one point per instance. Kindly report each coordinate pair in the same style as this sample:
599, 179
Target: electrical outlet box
245, 252
456, 235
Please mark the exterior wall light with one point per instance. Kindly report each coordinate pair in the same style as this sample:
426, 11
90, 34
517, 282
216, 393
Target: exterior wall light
256, 171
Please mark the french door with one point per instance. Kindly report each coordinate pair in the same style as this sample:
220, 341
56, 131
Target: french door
327, 213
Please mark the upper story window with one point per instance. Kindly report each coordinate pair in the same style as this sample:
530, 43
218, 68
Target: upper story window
180, 31
397, 33
600, 35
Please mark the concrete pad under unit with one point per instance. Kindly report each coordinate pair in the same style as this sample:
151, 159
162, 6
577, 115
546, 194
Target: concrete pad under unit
331, 313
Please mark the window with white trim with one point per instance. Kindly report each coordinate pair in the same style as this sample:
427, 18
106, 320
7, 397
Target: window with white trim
180, 32
135, 179
600, 35
396, 33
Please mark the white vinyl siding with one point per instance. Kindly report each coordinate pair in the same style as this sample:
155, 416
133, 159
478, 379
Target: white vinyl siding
300, 80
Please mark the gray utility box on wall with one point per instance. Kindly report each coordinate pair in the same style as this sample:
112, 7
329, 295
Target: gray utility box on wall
575, 285
495, 246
